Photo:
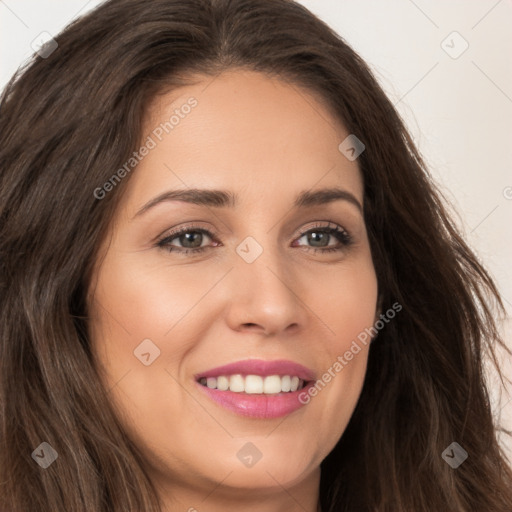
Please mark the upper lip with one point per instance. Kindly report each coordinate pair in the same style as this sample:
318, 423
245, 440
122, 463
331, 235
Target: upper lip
262, 368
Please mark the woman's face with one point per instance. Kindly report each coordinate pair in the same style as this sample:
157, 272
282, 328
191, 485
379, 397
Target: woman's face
271, 292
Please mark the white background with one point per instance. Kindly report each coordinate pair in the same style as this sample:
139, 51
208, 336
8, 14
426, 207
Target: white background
459, 110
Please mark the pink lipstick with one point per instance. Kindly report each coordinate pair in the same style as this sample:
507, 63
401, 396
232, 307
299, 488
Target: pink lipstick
257, 388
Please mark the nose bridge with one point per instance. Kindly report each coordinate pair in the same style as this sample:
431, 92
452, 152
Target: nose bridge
264, 294
261, 259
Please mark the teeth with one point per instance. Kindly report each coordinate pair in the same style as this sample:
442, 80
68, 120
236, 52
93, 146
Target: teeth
222, 383
272, 384
236, 383
286, 383
254, 384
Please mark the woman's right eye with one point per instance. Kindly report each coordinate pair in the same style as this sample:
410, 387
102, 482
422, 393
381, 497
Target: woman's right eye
190, 239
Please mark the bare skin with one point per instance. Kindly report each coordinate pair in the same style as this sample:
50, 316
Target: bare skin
264, 141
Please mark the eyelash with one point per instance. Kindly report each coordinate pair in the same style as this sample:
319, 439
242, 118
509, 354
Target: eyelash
341, 234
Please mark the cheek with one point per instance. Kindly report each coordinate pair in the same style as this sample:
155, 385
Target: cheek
134, 303
137, 300
347, 307
142, 298
347, 303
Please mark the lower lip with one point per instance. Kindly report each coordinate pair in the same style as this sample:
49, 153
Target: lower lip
258, 405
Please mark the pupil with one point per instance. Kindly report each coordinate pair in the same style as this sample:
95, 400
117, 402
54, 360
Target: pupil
315, 237
189, 237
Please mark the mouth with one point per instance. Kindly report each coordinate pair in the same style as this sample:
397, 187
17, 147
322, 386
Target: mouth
256, 388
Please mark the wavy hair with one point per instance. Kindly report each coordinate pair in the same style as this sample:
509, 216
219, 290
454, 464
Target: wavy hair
68, 120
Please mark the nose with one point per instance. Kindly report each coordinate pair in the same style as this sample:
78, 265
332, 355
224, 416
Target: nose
265, 296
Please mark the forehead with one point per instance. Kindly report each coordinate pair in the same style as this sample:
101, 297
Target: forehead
244, 131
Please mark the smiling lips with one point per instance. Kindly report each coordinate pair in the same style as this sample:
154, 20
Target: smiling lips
257, 388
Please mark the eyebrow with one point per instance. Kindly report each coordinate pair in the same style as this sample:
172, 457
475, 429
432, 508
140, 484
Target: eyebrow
224, 198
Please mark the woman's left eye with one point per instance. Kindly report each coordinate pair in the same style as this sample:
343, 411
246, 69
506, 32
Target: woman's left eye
322, 235
191, 239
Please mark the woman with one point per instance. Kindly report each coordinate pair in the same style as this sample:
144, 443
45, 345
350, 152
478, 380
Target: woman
228, 281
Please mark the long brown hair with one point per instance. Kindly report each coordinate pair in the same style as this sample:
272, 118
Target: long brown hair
70, 120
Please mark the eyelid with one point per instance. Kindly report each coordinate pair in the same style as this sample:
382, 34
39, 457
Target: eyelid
184, 228
317, 225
